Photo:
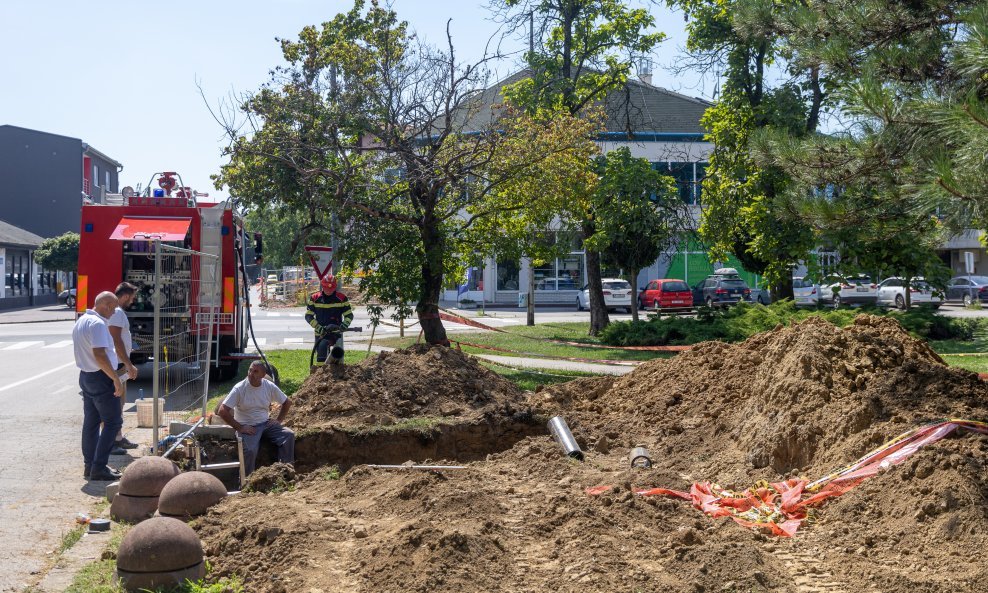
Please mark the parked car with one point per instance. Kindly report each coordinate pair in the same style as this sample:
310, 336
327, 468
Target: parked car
68, 297
967, 289
892, 293
762, 296
722, 288
805, 292
667, 294
617, 295
854, 290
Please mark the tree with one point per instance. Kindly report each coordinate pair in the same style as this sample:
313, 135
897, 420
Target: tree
908, 153
638, 213
366, 123
285, 232
582, 50
743, 213
59, 253
526, 219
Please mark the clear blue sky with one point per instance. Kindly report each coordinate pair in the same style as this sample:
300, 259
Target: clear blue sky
122, 75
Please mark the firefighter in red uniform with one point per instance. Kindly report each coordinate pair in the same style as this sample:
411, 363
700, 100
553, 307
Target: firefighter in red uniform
328, 311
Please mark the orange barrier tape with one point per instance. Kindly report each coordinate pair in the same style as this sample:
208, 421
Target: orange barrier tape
549, 356
783, 507
453, 318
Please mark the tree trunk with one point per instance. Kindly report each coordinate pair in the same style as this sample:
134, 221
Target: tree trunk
598, 310
431, 284
633, 279
530, 310
783, 290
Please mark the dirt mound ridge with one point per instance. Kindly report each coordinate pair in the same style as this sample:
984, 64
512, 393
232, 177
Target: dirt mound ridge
419, 381
798, 399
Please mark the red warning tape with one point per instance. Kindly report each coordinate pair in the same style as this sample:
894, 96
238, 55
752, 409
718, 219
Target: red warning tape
453, 318
533, 355
782, 507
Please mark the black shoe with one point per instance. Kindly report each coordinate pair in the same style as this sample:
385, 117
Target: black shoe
85, 472
107, 474
125, 444
118, 450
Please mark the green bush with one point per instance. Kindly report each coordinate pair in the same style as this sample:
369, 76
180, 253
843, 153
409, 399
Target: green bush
744, 320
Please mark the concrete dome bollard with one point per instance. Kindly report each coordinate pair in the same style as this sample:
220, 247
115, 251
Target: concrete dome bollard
147, 476
140, 486
160, 552
132, 509
190, 495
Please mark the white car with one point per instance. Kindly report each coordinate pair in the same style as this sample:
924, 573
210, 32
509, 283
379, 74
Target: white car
805, 292
892, 293
854, 290
617, 295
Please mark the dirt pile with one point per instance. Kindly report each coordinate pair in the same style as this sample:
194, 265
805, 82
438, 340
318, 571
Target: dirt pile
418, 382
796, 401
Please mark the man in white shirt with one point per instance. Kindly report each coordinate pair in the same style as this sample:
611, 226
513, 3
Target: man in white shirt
123, 345
100, 386
247, 409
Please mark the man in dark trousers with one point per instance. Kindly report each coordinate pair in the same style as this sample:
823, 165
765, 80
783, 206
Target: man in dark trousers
101, 387
328, 311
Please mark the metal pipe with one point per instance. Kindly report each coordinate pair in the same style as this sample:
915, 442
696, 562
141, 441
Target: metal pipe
155, 382
561, 433
639, 458
183, 436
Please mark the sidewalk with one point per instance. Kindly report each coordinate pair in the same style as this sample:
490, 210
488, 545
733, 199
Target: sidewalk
44, 313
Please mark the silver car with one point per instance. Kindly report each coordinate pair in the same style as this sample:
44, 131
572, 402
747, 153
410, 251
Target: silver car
892, 293
805, 292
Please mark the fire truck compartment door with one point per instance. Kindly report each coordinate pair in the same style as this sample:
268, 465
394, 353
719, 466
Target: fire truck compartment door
165, 229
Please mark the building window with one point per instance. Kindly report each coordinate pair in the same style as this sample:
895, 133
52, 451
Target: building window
507, 275
106, 178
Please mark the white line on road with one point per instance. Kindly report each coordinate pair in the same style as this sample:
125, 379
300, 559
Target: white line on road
293, 340
38, 376
22, 345
273, 315
295, 315
61, 344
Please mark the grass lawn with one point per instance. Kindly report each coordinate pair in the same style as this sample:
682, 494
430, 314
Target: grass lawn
519, 339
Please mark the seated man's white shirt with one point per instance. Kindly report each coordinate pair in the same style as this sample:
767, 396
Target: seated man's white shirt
90, 332
251, 405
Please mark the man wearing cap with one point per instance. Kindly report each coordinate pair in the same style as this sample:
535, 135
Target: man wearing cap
328, 311
97, 362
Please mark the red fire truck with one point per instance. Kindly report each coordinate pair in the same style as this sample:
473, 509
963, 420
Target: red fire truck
117, 242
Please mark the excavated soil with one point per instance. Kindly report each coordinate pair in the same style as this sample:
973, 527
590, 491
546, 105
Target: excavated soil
797, 401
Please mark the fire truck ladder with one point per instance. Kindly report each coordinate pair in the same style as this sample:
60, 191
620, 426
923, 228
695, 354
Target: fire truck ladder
210, 242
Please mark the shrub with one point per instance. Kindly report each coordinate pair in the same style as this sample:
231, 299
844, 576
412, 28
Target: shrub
744, 320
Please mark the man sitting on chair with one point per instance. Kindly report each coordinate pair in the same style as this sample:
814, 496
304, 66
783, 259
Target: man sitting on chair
247, 410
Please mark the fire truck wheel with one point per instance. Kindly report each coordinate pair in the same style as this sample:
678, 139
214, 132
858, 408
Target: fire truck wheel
229, 371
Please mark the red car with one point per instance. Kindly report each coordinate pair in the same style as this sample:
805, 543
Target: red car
668, 294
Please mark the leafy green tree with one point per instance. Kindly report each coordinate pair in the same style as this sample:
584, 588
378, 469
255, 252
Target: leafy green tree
638, 213
582, 50
525, 221
761, 88
367, 124
908, 152
285, 233
59, 253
